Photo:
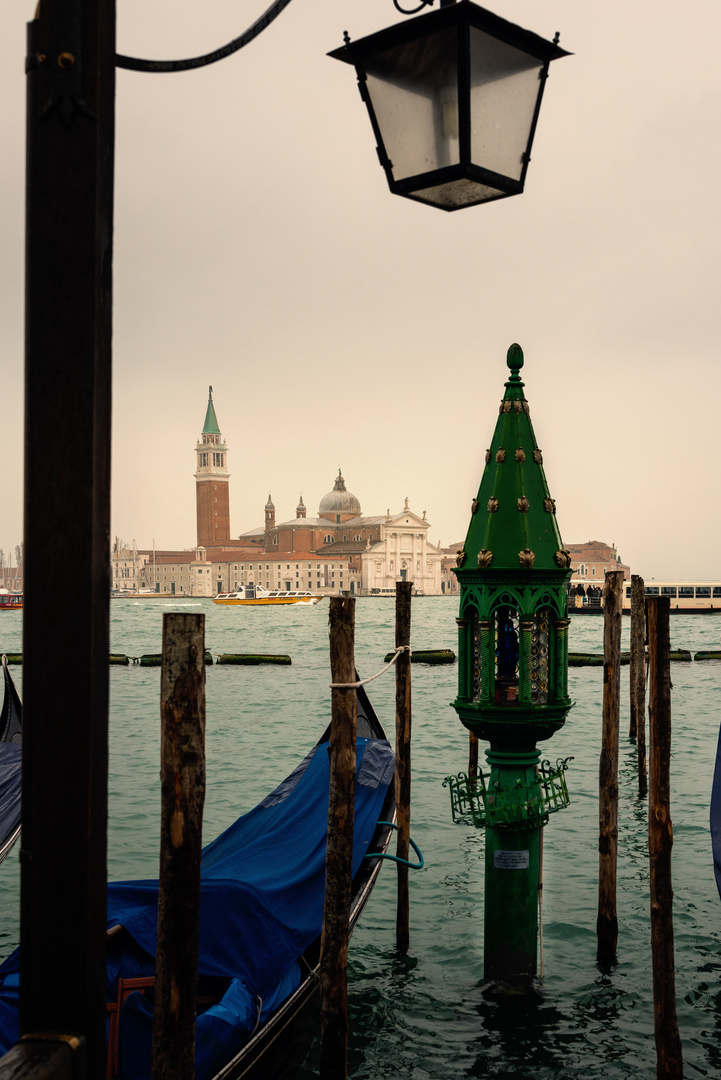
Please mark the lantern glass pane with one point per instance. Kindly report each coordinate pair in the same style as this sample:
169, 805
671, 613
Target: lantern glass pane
504, 89
414, 92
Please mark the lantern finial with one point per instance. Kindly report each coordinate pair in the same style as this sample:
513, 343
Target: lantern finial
514, 359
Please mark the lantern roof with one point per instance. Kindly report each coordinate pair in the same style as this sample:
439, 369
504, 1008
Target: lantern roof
450, 15
513, 523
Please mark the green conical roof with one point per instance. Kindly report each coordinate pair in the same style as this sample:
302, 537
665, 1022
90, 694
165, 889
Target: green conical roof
513, 522
210, 427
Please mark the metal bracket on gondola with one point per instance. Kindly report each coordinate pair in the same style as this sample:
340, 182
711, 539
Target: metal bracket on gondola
394, 858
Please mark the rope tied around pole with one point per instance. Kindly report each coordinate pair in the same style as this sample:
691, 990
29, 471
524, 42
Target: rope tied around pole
362, 682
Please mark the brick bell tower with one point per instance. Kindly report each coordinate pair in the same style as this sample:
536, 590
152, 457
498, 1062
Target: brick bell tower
211, 483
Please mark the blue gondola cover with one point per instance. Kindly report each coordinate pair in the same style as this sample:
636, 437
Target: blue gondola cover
262, 894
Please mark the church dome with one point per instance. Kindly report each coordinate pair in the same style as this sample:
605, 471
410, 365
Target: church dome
339, 501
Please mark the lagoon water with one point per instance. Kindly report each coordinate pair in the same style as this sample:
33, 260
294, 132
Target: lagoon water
425, 1015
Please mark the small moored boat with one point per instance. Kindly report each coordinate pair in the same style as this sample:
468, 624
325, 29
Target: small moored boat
256, 594
261, 912
10, 763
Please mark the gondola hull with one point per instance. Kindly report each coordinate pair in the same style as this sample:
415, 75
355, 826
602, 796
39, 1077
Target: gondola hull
260, 922
10, 763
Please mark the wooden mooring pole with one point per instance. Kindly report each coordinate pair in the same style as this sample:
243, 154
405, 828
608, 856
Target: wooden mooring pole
339, 849
637, 678
403, 759
669, 1064
182, 773
607, 921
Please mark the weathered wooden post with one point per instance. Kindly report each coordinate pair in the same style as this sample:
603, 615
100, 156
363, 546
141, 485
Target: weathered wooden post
403, 758
669, 1064
339, 850
182, 773
607, 921
637, 677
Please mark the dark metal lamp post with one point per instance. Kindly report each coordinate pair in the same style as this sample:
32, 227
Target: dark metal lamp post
453, 98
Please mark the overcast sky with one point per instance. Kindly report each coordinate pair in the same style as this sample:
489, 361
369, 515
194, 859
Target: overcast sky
257, 248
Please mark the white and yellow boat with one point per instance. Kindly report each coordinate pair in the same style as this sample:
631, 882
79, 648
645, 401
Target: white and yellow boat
256, 594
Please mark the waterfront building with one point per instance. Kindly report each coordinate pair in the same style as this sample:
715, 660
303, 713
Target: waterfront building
186, 573
125, 563
325, 574
449, 581
592, 561
380, 550
339, 550
203, 573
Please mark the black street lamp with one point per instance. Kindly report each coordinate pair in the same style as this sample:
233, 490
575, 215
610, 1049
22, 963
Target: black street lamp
453, 98
463, 157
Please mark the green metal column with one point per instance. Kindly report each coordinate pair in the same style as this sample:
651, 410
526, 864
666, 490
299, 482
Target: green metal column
512, 866
511, 887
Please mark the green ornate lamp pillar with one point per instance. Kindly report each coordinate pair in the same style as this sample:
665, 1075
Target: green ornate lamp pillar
512, 675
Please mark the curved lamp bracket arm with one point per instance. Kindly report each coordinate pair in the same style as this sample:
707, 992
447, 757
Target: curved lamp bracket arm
412, 11
133, 63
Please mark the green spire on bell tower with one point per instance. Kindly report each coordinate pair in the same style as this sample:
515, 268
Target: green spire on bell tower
210, 427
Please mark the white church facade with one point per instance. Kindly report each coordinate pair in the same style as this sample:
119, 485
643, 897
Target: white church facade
403, 553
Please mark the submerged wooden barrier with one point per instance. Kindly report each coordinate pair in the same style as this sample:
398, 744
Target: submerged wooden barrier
421, 656
253, 659
592, 659
427, 656
156, 659
596, 659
